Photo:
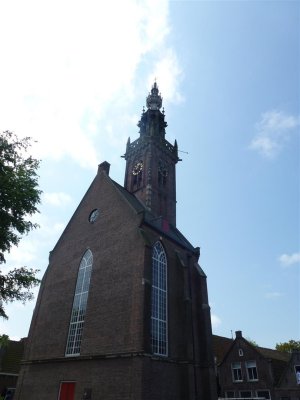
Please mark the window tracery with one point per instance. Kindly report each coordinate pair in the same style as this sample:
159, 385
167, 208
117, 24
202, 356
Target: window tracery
159, 328
79, 304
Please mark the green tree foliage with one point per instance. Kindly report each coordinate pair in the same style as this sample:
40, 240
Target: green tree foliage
4, 339
253, 342
19, 197
289, 346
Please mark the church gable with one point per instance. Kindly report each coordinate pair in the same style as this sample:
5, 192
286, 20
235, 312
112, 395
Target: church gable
112, 237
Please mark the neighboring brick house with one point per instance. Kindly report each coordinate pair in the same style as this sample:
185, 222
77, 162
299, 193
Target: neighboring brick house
221, 345
10, 358
122, 311
288, 387
250, 371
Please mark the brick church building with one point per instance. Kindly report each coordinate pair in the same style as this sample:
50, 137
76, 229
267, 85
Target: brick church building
122, 311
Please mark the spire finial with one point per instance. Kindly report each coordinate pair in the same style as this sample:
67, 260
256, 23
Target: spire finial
154, 99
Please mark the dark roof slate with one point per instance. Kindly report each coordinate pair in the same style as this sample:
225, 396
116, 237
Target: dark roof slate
273, 354
158, 223
221, 345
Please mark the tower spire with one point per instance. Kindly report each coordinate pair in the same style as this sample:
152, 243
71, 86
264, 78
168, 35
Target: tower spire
151, 160
154, 99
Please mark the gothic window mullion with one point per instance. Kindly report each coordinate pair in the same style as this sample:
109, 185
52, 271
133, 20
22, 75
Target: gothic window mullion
79, 305
159, 301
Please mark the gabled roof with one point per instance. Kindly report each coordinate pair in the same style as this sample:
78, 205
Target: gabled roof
158, 223
293, 359
11, 356
262, 351
273, 354
221, 345
279, 361
131, 199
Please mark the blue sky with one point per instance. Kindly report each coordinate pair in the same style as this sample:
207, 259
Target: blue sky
75, 78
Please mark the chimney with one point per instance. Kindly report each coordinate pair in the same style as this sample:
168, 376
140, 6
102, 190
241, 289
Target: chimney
104, 167
238, 334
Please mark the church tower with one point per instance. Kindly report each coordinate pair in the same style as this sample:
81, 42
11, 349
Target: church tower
150, 162
122, 311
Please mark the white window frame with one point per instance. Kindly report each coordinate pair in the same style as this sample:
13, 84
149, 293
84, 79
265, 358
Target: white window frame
159, 301
263, 390
250, 367
79, 305
245, 397
241, 353
234, 368
227, 394
297, 368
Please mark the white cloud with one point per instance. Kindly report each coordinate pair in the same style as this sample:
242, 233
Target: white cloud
273, 295
16, 338
273, 130
68, 65
289, 259
33, 249
215, 321
167, 72
21, 255
57, 199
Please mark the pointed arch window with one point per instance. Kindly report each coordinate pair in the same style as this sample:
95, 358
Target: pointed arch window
162, 174
79, 304
159, 315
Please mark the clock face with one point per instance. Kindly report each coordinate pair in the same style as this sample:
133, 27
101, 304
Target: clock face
138, 167
94, 215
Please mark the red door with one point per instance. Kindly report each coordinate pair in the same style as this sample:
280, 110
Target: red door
67, 390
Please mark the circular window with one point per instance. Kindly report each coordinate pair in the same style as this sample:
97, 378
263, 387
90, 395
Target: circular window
94, 215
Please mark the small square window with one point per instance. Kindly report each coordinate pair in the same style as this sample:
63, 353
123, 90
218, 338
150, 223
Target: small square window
241, 353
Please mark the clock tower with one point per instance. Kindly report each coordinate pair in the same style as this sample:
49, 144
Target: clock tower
122, 311
151, 160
